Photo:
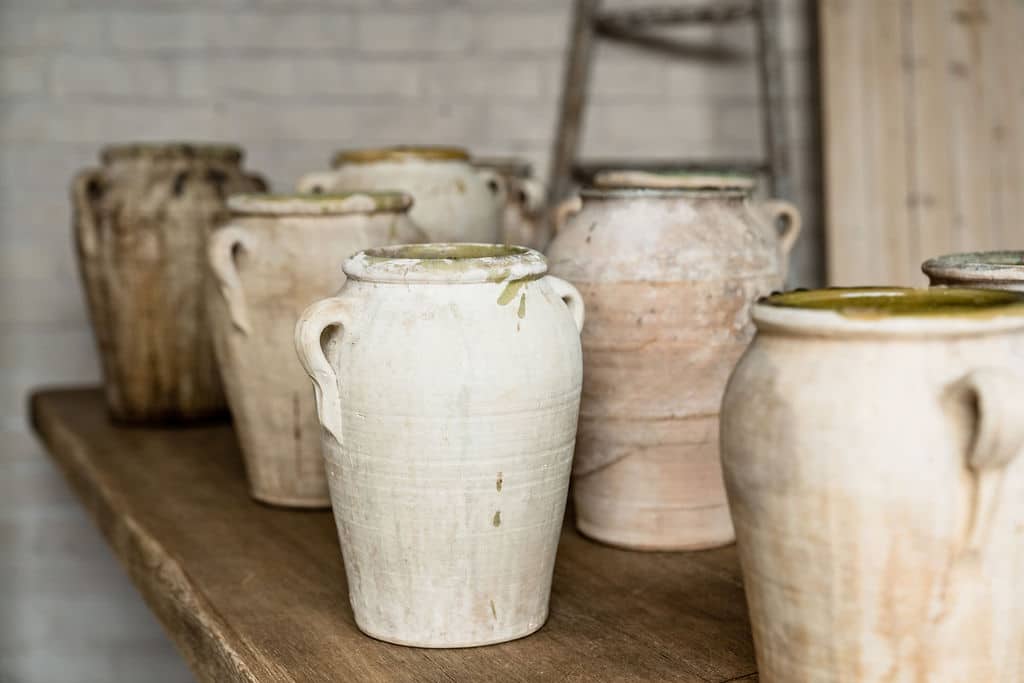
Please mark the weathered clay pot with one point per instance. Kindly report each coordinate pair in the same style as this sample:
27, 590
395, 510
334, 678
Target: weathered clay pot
870, 441
454, 202
984, 270
448, 392
140, 227
667, 276
276, 256
523, 220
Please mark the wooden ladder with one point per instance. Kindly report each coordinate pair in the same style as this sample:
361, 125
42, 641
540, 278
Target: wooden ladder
633, 26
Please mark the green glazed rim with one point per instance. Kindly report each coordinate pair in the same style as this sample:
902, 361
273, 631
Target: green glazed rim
340, 203
887, 302
976, 266
446, 262
399, 153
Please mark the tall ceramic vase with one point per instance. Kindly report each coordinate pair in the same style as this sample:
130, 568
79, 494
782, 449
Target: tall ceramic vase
667, 275
140, 228
454, 202
448, 385
871, 442
523, 219
277, 255
984, 270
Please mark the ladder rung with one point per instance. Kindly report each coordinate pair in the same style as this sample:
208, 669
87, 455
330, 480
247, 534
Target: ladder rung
652, 16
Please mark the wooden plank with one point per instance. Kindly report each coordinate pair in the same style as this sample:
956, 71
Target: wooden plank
253, 593
923, 124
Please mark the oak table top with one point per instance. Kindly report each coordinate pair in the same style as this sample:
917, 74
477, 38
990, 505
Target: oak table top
253, 593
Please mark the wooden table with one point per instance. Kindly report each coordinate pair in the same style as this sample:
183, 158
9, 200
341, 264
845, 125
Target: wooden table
253, 593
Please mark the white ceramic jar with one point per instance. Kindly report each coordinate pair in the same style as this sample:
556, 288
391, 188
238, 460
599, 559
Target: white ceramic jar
448, 386
984, 270
276, 255
870, 443
668, 274
454, 202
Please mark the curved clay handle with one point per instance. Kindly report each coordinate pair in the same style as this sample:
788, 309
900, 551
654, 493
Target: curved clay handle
994, 394
791, 221
318, 182
259, 181
533, 195
564, 211
309, 330
221, 252
572, 298
86, 188
495, 183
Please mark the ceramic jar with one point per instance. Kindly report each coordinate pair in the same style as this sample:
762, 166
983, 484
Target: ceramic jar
523, 221
985, 270
140, 228
667, 276
448, 386
277, 255
454, 202
870, 441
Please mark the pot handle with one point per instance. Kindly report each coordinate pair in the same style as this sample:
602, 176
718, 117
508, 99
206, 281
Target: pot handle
994, 396
572, 298
495, 184
317, 182
259, 181
533, 194
333, 312
564, 210
86, 188
780, 209
222, 253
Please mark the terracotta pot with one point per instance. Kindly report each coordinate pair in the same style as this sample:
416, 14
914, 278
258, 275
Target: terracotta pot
523, 221
140, 227
667, 276
448, 393
870, 441
985, 270
454, 202
276, 256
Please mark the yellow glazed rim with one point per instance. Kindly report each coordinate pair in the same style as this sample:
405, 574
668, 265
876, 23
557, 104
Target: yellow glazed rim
890, 311
335, 204
446, 263
399, 153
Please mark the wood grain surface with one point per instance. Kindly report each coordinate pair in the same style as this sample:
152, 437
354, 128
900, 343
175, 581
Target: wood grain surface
252, 593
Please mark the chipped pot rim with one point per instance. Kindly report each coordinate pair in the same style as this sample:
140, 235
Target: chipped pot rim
333, 204
163, 151
691, 180
371, 155
976, 266
514, 167
446, 262
890, 311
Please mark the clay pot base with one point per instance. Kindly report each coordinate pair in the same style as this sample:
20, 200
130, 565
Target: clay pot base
287, 502
454, 646
624, 542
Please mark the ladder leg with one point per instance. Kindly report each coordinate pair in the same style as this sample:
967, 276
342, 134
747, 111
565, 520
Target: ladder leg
574, 98
773, 115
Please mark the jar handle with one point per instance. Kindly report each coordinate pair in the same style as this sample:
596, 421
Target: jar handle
333, 312
495, 183
564, 210
780, 209
533, 194
994, 397
259, 181
226, 243
317, 182
86, 188
572, 298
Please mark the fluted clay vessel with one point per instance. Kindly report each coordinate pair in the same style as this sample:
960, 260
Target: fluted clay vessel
871, 442
448, 382
454, 202
667, 274
276, 256
140, 227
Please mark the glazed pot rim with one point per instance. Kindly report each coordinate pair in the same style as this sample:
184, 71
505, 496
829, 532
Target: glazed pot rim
400, 153
693, 180
166, 151
890, 311
333, 204
604, 193
446, 263
977, 266
515, 167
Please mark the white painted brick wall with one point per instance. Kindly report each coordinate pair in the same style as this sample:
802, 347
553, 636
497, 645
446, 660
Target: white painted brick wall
291, 80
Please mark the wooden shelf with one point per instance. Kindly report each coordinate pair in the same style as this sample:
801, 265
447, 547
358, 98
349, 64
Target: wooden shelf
253, 593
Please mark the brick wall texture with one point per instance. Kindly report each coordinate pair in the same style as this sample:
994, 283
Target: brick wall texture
291, 80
